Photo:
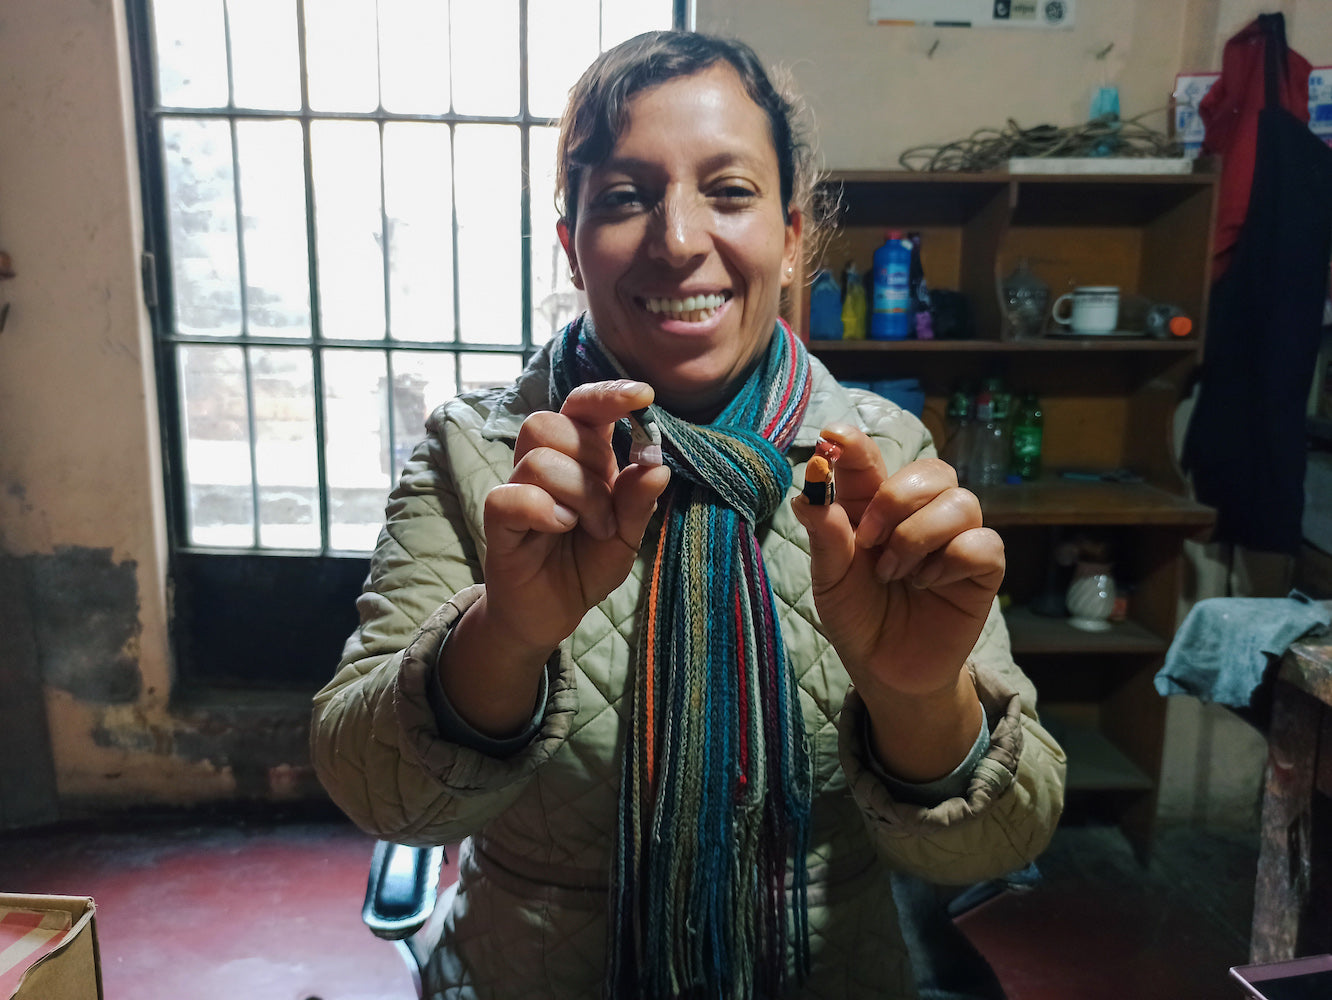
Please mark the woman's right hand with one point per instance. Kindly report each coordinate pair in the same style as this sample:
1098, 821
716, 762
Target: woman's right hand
563, 532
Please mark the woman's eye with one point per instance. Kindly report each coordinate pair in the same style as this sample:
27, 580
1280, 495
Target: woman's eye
620, 198
733, 192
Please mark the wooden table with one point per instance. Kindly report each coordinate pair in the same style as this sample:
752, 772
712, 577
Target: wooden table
1292, 906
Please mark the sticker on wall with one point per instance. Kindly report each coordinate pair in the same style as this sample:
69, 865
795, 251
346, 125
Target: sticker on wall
974, 13
1320, 103
1189, 91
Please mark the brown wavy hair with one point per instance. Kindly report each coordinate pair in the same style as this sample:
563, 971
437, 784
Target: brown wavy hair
598, 109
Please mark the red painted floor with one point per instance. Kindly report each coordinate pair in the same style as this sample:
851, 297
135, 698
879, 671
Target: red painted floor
259, 910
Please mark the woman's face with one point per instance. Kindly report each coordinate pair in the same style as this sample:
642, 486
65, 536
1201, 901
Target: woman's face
679, 239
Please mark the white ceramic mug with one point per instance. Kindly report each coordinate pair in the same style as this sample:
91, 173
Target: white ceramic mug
1095, 309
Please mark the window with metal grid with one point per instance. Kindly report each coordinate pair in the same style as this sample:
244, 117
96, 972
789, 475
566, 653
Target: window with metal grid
354, 221
349, 218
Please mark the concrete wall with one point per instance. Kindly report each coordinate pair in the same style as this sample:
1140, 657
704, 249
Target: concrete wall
80, 482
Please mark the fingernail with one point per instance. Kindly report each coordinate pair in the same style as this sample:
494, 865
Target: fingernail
887, 567
565, 516
829, 449
626, 385
645, 454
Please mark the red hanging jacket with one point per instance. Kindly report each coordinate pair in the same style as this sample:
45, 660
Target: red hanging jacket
1230, 113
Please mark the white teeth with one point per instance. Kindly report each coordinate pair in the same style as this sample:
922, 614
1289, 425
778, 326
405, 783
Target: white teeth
692, 308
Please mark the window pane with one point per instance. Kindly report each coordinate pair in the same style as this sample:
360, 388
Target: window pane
485, 57
201, 206
265, 59
215, 429
421, 381
554, 298
483, 371
356, 452
417, 177
284, 431
561, 41
191, 53
621, 19
414, 47
489, 234
277, 274
349, 229
340, 57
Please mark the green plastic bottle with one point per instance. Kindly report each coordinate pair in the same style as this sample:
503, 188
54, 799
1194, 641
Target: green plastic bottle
1028, 430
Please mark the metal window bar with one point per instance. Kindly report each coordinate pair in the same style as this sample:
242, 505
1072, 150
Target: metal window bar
152, 111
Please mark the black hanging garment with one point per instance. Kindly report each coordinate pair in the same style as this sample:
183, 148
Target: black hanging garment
1245, 446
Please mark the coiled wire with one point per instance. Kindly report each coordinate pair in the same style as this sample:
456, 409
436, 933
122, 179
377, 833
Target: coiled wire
989, 149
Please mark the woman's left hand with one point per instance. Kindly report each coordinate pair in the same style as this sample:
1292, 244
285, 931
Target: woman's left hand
904, 572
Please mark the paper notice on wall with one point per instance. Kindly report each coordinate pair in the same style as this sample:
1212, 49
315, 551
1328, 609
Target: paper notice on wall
1189, 91
974, 13
1320, 103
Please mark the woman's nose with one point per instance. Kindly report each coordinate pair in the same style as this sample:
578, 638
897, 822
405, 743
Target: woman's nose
682, 230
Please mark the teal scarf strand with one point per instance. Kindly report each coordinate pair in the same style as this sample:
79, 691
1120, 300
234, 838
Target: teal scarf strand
716, 785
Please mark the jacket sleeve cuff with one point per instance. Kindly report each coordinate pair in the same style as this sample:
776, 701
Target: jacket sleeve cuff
455, 729
462, 759
929, 793
989, 777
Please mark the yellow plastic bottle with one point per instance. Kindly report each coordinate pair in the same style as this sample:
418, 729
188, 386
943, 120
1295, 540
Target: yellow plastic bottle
855, 306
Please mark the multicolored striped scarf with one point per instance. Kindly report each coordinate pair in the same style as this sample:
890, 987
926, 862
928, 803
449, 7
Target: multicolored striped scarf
715, 786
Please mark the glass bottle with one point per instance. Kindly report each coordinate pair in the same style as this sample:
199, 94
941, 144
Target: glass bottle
1025, 297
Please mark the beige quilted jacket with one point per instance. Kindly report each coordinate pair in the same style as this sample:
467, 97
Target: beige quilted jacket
527, 918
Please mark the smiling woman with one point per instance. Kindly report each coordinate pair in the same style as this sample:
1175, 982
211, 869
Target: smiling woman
688, 722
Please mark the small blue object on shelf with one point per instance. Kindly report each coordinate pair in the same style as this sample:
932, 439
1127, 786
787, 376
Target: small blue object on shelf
825, 307
907, 393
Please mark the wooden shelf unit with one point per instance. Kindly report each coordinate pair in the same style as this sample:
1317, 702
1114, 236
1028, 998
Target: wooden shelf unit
1108, 405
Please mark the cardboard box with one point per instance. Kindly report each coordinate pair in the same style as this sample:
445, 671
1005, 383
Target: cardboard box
48, 948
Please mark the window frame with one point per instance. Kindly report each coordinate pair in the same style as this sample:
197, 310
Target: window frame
199, 573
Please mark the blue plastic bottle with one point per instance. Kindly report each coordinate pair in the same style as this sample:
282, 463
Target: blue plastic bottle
891, 317
825, 307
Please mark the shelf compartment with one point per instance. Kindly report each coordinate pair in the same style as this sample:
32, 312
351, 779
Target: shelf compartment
1094, 763
1032, 634
1059, 501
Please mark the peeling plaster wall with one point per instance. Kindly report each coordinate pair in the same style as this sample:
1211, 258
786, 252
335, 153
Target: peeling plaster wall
80, 482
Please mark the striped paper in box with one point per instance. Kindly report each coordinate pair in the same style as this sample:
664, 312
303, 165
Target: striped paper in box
47, 943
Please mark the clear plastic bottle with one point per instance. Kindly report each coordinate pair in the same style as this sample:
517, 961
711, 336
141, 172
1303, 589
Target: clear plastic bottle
989, 452
957, 449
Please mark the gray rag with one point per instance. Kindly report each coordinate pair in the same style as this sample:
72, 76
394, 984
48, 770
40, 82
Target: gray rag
1222, 650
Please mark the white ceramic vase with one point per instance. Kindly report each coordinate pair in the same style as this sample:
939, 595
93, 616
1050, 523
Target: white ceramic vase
1091, 597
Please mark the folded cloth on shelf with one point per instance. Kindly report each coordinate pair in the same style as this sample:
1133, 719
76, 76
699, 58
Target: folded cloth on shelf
1226, 644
